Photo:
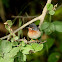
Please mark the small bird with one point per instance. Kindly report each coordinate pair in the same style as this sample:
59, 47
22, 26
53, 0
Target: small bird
33, 31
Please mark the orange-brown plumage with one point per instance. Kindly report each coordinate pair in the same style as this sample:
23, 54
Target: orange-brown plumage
34, 34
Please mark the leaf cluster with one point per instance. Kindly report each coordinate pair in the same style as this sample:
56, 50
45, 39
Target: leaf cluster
49, 27
50, 9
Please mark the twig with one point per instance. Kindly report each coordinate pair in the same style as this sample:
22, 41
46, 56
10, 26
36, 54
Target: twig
23, 16
41, 18
59, 7
43, 42
55, 6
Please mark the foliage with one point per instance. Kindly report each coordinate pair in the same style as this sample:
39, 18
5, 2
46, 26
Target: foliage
9, 49
50, 8
58, 26
12, 49
54, 57
6, 48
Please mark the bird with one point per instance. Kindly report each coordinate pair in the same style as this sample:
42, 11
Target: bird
33, 31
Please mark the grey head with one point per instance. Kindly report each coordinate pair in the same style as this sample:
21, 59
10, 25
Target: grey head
33, 26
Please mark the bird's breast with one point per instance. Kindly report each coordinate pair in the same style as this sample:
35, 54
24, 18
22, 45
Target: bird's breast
34, 34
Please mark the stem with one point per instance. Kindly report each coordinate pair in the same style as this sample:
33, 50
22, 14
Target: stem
50, 18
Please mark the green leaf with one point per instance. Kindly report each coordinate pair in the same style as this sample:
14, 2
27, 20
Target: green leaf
60, 46
58, 26
24, 57
13, 52
44, 25
57, 23
1, 53
16, 38
20, 56
22, 43
49, 6
27, 49
6, 46
37, 47
12, 39
1, 59
52, 27
9, 22
54, 57
6, 59
6, 26
48, 31
51, 12
9, 60
49, 43
14, 43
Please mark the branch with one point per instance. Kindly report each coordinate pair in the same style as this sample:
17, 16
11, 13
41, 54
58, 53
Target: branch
41, 18
23, 16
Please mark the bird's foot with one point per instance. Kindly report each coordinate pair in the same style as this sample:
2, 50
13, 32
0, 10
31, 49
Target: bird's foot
35, 41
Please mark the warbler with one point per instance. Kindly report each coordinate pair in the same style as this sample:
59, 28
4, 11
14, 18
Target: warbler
33, 31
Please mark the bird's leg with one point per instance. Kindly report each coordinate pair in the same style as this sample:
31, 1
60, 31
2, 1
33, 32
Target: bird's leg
36, 41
